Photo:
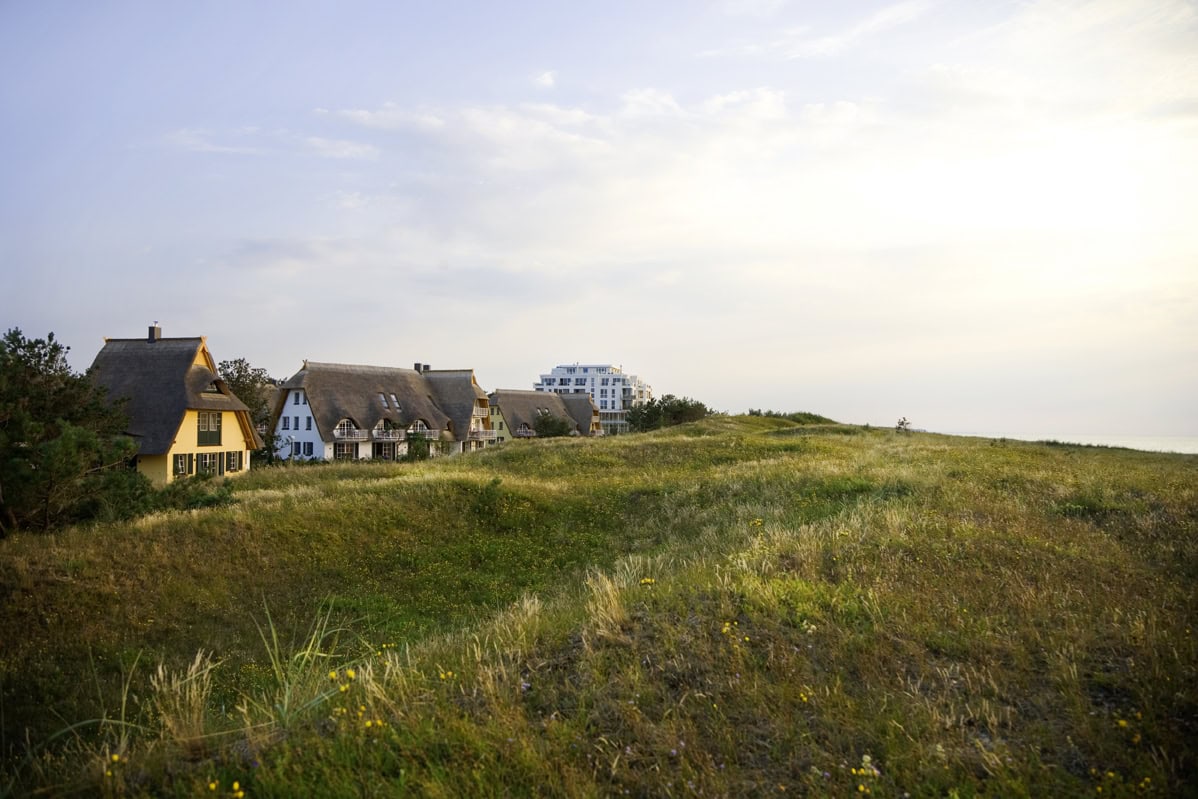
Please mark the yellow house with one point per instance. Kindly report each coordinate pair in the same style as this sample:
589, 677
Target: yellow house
182, 415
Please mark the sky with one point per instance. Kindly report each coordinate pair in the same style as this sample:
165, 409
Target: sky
979, 215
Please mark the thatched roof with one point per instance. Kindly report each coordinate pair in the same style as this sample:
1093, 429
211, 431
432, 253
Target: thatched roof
456, 393
521, 407
582, 408
161, 381
339, 391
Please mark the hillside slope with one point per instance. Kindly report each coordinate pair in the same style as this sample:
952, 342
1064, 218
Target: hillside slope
736, 607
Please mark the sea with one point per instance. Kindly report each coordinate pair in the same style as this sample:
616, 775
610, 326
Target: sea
1182, 444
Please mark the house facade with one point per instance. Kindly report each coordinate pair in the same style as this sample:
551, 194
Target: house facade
332, 411
183, 417
611, 390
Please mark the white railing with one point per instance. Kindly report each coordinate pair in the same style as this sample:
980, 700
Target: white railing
481, 413
482, 435
350, 435
388, 435
431, 435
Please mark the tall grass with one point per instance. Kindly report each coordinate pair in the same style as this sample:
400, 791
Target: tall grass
721, 610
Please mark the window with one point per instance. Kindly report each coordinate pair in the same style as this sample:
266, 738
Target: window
233, 461
209, 428
286, 422
295, 398
383, 399
394, 401
305, 399
346, 428
308, 449
550, 381
308, 423
605, 381
580, 381
181, 466
603, 404
206, 462
296, 423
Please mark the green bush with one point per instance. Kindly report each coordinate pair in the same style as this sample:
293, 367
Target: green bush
200, 491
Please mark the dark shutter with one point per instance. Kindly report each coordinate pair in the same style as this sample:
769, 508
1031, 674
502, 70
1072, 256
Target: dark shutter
191, 463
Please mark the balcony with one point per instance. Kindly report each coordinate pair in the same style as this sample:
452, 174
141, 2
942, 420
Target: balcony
480, 413
388, 435
481, 435
430, 435
343, 434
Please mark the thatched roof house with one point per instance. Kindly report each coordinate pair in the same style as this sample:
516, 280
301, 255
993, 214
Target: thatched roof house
167, 383
365, 395
521, 409
459, 395
337, 410
582, 408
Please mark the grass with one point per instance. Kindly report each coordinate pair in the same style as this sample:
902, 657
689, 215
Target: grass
744, 606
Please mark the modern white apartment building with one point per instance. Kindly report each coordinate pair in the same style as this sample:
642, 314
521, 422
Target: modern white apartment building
612, 391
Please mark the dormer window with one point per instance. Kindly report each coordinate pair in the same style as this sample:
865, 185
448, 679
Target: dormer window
211, 388
208, 425
394, 401
383, 400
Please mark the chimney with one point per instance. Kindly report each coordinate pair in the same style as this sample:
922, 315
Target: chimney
416, 366
155, 333
426, 368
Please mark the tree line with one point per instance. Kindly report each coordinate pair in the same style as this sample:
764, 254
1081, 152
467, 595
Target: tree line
665, 412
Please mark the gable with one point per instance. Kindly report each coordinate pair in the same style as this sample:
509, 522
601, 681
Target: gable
160, 381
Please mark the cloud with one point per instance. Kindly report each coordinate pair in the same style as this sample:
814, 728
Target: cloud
392, 117
350, 200
546, 80
750, 8
880, 21
201, 141
340, 148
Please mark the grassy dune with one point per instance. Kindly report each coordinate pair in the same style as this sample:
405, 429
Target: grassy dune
741, 607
